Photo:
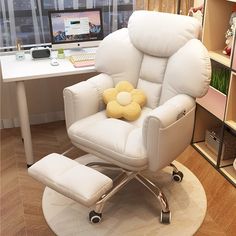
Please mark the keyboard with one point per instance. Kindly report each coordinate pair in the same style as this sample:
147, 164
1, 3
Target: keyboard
82, 57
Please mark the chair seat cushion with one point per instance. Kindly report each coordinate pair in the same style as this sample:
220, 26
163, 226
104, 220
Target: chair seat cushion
116, 139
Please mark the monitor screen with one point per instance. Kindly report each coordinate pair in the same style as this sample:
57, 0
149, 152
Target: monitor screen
75, 28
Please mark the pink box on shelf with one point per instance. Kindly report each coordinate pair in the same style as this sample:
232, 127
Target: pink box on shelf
214, 101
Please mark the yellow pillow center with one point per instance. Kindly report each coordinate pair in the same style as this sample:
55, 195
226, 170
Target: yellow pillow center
124, 98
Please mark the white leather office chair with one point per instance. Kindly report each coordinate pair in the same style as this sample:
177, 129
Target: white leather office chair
160, 54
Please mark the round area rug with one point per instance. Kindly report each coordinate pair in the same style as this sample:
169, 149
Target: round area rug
133, 211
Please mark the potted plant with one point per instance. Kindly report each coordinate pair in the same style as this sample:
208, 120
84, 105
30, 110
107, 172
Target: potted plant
220, 79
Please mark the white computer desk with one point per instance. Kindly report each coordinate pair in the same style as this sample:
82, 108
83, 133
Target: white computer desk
18, 72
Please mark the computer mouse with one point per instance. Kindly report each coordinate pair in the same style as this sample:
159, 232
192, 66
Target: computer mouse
54, 62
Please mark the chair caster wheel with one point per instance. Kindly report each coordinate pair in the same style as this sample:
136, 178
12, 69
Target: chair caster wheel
177, 176
95, 217
165, 217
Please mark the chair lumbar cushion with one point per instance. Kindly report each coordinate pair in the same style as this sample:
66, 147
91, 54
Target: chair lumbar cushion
124, 101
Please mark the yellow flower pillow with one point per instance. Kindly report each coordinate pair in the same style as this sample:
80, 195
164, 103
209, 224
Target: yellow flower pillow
124, 101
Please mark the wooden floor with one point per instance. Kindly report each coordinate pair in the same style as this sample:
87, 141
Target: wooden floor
21, 212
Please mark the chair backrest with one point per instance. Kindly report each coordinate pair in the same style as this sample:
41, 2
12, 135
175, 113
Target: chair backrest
159, 53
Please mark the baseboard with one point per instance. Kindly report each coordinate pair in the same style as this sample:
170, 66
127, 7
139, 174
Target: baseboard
34, 119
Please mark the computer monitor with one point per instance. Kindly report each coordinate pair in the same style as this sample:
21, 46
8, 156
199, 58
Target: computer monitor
71, 29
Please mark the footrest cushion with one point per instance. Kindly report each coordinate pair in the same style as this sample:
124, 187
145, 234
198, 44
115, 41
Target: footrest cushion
78, 182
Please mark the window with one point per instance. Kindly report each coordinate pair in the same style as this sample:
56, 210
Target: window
27, 20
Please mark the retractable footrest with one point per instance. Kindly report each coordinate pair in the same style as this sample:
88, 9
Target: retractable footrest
76, 181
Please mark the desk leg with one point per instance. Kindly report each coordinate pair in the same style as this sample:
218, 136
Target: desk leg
24, 122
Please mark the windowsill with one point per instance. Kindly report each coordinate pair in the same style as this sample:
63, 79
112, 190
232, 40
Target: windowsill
26, 48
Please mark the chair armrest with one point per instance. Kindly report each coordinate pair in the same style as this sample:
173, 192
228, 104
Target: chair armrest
167, 130
85, 98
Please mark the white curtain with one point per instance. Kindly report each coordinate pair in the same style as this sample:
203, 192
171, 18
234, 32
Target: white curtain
35, 21
75, 4
171, 6
40, 19
89, 4
8, 22
1, 39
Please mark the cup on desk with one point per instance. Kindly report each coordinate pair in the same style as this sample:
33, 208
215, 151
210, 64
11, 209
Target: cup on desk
60, 53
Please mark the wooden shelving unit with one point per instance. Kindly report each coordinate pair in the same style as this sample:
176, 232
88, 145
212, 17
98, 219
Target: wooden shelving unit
230, 118
216, 23
216, 112
211, 156
230, 173
218, 56
215, 102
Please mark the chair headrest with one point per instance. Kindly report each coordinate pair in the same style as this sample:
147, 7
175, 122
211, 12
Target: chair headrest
161, 34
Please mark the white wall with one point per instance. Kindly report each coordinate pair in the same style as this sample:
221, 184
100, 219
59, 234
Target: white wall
44, 96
